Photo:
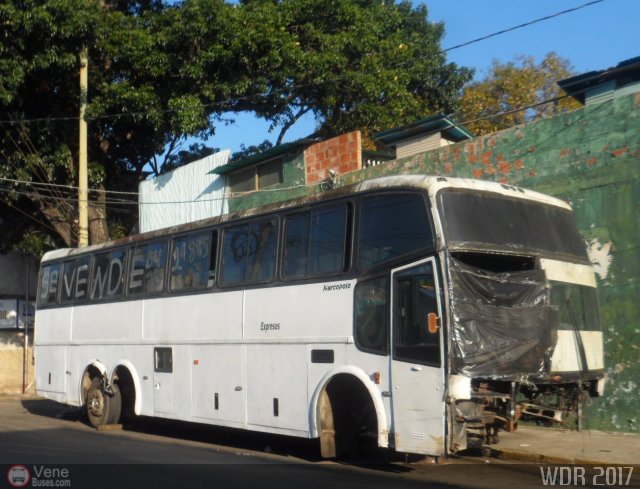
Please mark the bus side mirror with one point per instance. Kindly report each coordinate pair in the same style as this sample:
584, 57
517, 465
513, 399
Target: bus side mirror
432, 322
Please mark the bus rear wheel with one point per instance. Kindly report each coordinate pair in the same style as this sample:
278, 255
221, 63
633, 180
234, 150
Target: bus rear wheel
103, 408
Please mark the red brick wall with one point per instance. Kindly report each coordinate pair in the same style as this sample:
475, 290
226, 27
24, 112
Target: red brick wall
343, 154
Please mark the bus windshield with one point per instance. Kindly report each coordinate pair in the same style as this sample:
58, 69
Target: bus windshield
483, 220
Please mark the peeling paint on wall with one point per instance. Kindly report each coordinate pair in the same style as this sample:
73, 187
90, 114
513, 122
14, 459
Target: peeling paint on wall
600, 257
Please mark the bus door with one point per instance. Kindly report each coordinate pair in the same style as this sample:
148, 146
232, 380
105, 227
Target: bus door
417, 375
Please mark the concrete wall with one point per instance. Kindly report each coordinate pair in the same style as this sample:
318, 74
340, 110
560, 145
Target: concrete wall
591, 158
11, 362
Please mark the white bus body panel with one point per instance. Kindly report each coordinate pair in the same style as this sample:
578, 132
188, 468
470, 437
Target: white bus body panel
193, 318
218, 370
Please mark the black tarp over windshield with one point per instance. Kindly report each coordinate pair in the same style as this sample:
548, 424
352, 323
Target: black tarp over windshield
503, 324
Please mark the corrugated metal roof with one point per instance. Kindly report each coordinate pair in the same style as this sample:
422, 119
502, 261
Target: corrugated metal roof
429, 125
274, 152
624, 72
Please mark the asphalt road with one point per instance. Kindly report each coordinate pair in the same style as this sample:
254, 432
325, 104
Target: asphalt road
56, 447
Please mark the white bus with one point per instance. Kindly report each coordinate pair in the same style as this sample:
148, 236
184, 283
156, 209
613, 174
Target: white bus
408, 311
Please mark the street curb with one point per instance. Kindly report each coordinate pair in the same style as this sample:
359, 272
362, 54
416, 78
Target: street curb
539, 458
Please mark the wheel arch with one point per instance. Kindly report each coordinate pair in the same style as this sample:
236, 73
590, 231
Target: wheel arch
126, 364
95, 368
369, 386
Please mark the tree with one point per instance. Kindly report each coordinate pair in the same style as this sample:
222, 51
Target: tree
161, 72
367, 64
514, 85
249, 151
140, 105
38, 50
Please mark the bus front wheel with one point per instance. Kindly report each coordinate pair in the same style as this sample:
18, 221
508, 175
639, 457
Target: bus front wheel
103, 408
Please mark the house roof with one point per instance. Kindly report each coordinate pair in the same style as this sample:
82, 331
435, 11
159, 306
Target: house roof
429, 125
269, 154
625, 72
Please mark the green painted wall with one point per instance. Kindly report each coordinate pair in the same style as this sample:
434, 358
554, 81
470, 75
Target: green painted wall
293, 173
591, 158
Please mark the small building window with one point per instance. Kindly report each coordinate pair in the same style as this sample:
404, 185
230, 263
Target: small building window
243, 180
257, 177
270, 174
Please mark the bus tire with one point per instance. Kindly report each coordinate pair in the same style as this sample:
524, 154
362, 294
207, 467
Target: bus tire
115, 405
98, 403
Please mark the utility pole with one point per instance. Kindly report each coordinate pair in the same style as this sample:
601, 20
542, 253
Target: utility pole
83, 178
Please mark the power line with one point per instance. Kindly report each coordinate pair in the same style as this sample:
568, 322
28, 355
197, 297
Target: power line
229, 102
75, 199
520, 26
57, 185
240, 194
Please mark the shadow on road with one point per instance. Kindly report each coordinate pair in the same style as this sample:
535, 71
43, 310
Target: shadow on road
231, 439
51, 409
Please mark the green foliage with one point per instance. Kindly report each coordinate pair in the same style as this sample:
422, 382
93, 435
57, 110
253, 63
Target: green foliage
196, 151
513, 85
161, 72
248, 151
367, 65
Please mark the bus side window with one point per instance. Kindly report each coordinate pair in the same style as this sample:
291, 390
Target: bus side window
392, 226
146, 272
315, 242
296, 251
328, 240
261, 264
193, 261
371, 313
68, 281
75, 279
81, 288
49, 282
249, 252
107, 277
416, 298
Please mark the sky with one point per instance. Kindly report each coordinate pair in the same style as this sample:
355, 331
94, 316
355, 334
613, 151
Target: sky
593, 38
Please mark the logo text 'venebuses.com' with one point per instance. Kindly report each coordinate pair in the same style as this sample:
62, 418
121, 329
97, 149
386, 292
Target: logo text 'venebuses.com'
38, 476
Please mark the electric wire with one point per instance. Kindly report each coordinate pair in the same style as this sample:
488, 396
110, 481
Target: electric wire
258, 191
240, 194
520, 26
229, 102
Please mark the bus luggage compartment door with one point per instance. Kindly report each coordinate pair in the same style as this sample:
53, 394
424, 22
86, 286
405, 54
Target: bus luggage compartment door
417, 375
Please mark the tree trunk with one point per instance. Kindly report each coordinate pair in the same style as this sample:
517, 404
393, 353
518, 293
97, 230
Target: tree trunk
60, 216
98, 229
